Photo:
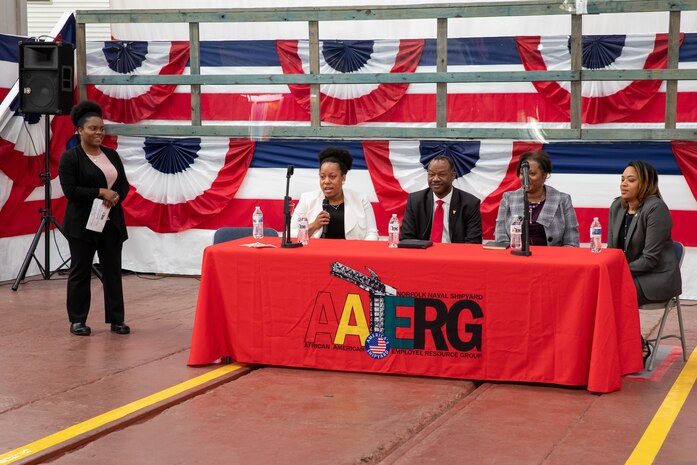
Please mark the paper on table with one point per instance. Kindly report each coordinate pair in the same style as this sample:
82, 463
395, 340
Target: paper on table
257, 245
98, 216
495, 245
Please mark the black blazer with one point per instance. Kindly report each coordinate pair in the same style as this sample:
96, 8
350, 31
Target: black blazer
464, 218
81, 179
648, 248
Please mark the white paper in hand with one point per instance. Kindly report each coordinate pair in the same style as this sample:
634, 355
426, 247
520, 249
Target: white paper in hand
98, 216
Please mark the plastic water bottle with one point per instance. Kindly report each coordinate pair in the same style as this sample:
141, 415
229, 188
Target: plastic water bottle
517, 232
257, 223
393, 231
596, 236
303, 225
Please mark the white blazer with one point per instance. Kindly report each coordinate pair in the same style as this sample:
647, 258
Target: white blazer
359, 219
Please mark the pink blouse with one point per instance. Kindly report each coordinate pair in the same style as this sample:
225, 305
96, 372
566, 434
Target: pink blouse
104, 164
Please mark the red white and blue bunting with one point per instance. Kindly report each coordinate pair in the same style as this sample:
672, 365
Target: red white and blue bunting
126, 103
603, 101
352, 103
485, 169
182, 184
179, 183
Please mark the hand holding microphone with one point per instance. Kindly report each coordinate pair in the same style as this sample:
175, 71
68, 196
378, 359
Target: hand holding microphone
323, 217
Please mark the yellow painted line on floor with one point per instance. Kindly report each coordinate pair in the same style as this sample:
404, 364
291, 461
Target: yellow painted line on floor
86, 426
650, 443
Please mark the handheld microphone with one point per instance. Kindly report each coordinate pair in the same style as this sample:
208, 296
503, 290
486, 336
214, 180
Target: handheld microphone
325, 207
525, 169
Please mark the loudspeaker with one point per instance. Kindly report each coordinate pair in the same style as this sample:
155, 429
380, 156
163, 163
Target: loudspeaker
46, 77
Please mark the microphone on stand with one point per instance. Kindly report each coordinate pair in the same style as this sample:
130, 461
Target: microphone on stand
285, 240
525, 169
525, 251
325, 207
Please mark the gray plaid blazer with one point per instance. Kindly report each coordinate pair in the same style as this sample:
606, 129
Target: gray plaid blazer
557, 216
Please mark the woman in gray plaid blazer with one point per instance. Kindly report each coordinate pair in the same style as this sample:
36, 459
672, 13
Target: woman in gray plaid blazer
553, 219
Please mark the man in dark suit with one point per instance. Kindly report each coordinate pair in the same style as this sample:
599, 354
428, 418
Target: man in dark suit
442, 213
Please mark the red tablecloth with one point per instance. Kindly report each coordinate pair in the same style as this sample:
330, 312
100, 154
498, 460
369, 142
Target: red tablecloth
562, 316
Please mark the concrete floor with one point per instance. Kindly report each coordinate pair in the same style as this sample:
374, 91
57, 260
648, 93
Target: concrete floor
52, 380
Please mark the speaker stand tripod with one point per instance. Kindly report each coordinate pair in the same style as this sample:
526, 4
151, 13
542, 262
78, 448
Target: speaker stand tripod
47, 219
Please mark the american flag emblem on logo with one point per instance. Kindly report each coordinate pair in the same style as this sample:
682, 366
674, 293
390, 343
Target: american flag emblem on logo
377, 345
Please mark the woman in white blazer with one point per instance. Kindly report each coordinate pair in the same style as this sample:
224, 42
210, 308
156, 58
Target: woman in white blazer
334, 212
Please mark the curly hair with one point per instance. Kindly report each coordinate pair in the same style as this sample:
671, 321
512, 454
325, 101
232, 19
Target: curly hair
81, 111
337, 155
540, 156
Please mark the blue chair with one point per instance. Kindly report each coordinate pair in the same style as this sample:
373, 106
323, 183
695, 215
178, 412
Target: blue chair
232, 233
666, 306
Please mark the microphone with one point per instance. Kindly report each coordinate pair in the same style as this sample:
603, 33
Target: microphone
289, 173
525, 169
325, 207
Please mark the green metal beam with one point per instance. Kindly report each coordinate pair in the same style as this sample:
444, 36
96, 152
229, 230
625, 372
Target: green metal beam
361, 78
639, 6
391, 12
392, 133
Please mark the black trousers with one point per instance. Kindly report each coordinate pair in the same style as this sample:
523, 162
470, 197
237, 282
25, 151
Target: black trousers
108, 247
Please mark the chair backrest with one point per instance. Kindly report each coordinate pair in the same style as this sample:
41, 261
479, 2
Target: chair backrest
232, 233
679, 250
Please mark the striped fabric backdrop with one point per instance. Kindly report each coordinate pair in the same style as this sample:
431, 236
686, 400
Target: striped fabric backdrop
180, 185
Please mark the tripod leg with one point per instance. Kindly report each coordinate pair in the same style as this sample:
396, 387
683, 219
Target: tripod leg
95, 270
30, 254
46, 219
97, 273
58, 227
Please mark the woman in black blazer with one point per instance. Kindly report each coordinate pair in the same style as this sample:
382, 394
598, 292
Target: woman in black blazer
89, 171
640, 224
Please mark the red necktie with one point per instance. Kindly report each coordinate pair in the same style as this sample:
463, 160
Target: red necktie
437, 228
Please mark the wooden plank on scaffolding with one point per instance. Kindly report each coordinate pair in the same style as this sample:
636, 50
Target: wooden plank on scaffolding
673, 58
408, 133
576, 65
380, 12
195, 66
81, 62
442, 67
315, 107
373, 78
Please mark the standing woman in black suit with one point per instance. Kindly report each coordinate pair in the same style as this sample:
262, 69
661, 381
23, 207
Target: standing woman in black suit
640, 224
89, 171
